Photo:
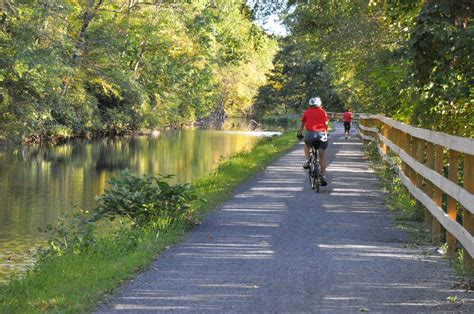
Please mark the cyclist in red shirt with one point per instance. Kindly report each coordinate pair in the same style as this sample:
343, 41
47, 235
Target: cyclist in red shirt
347, 119
315, 120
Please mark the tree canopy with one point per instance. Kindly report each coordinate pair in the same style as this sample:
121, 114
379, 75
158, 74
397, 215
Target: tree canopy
412, 60
74, 68
71, 68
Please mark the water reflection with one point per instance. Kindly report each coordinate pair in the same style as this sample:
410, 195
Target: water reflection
37, 184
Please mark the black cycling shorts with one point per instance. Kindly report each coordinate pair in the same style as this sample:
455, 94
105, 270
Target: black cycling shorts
316, 138
347, 126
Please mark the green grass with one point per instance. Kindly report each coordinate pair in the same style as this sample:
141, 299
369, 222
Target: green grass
77, 282
462, 270
220, 185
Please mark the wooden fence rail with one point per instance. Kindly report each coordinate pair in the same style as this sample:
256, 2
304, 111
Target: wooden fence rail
438, 170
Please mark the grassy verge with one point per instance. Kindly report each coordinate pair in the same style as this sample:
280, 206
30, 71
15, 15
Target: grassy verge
220, 185
407, 216
76, 279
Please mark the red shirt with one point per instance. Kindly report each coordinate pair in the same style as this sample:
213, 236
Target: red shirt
315, 119
347, 116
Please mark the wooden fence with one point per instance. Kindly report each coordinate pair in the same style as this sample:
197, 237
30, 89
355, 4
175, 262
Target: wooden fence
438, 170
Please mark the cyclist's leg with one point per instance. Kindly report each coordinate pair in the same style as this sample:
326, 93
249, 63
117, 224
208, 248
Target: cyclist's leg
308, 140
322, 156
306, 151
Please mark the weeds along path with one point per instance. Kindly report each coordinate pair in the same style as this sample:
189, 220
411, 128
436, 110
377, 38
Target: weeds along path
279, 247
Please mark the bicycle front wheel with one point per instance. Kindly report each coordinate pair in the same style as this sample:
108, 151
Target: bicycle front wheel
311, 177
311, 172
316, 183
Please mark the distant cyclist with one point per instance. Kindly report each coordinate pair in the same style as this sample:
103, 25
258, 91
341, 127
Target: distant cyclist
315, 120
347, 119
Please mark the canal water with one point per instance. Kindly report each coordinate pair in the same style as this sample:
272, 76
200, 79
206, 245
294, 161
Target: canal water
40, 183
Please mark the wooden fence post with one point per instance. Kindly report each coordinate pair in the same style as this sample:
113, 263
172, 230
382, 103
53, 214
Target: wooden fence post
407, 149
361, 123
383, 130
420, 156
389, 136
405, 145
438, 195
396, 137
453, 176
430, 160
468, 218
413, 147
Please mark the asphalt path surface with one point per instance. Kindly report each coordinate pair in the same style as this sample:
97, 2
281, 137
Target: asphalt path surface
277, 246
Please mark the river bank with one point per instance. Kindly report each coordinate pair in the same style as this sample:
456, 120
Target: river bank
77, 281
39, 183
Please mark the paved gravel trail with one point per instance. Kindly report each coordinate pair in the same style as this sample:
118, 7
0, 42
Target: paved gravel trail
277, 246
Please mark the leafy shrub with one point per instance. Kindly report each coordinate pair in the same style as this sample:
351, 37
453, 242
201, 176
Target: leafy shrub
145, 199
70, 234
149, 202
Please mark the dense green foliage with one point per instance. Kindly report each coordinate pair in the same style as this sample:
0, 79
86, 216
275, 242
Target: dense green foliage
412, 60
107, 66
296, 77
144, 199
143, 204
87, 259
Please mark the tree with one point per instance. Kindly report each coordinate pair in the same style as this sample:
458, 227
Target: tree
408, 59
73, 68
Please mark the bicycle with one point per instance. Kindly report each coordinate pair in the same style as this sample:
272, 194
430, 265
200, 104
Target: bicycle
314, 170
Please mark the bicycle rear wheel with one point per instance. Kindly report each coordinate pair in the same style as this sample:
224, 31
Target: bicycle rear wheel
311, 176
316, 183
317, 176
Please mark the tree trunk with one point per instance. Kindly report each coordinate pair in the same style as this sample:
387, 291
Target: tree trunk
220, 112
88, 16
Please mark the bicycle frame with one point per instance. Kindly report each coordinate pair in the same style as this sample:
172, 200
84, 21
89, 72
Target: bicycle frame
314, 171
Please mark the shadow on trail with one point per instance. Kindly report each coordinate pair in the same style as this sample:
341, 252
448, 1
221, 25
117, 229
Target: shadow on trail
278, 246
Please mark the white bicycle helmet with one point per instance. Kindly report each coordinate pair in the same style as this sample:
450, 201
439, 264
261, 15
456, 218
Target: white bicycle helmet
315, 101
